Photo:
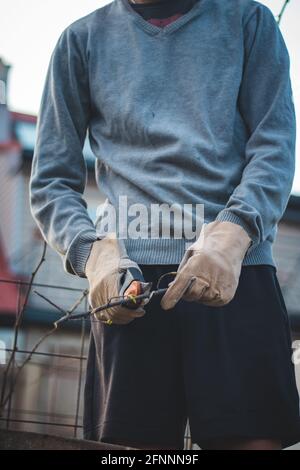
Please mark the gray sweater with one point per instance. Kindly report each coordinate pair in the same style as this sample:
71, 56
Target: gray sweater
198, 112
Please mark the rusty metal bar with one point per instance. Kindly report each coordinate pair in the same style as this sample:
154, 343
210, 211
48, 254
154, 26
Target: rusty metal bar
12, 360
37, 284
79, 377
64, 356
48, 423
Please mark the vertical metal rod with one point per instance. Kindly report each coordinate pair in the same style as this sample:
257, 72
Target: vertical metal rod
13, 358
80, 373
19, 317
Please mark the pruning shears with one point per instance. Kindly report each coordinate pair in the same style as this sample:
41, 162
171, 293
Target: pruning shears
134, 291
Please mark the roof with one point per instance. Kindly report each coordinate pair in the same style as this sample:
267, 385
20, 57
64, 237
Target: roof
9, 145
24, 129
292, 212
287, 256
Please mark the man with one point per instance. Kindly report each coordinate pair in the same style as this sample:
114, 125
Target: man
186, 102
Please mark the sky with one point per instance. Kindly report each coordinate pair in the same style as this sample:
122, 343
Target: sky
29, 30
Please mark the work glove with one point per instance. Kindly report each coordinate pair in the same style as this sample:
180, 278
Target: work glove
210, 269
109, 271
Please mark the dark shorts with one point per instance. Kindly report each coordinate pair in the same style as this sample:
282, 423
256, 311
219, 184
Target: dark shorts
228, 370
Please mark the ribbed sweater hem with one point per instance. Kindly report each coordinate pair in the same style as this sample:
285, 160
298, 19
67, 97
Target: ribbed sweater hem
171, 251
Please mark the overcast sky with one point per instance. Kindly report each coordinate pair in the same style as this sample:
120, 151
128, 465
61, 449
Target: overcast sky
29, 30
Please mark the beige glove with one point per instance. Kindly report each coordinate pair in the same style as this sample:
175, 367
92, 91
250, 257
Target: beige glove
105, 269
211, 266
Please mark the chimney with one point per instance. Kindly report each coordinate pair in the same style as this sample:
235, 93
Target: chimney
5, 120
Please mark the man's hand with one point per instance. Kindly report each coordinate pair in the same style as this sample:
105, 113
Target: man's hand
211, 266
105, 269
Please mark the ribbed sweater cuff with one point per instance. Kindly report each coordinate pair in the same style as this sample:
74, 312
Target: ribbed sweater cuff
78, 252
228, 216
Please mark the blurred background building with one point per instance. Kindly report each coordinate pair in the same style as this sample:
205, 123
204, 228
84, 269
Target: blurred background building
48, 394
49, 389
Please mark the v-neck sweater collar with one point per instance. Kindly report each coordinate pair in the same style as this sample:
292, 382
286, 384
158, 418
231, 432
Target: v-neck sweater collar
157, 30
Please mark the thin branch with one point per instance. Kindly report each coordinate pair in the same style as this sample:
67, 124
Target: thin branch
279, 17
5, 400
18, 321
50, 302
65, 312
40, 341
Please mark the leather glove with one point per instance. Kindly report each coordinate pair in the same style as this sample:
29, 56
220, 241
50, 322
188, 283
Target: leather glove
211, 266
107, 270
